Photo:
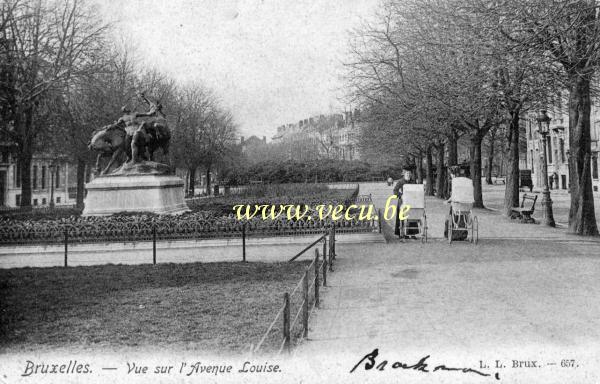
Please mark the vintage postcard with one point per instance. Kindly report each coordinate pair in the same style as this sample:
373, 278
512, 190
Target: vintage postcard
271, 191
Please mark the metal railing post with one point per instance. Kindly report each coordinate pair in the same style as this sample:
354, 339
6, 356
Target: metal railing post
66, 245
324, 269
244, 242
305, 305
154, 244
317, 301
332, 241
330, 255
286, 321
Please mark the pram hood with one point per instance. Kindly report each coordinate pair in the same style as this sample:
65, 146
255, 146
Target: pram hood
462, 190
413, 195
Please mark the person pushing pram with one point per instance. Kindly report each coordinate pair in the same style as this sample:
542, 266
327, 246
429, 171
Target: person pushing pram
407, 178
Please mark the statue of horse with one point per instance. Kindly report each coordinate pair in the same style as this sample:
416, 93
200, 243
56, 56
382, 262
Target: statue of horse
110, 140
152, 134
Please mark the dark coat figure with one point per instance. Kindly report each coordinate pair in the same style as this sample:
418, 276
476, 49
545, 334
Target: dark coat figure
398, 190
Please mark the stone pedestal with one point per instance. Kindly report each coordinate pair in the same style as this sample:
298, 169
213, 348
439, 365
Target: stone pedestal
157, 193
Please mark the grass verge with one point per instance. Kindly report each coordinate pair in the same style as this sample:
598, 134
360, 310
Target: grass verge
213, 307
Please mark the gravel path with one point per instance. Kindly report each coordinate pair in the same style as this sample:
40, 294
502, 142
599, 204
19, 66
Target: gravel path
525, 292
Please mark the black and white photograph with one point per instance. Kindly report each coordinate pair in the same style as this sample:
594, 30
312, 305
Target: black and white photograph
310, 191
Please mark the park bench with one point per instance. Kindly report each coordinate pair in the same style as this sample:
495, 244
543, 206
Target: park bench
524, 213
499, 179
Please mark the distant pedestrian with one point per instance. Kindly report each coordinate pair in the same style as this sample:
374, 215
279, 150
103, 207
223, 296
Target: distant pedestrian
390, 181
407, 178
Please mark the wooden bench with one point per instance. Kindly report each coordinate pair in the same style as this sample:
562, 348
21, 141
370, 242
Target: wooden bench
524, 213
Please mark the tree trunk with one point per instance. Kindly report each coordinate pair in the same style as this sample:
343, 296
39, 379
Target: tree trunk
80, 183
428, 173
476, 169
208, 180
452, 150
582, 220
25, 158
420, 168
490, 162
441, 171
192, 182
511, 192
452, 161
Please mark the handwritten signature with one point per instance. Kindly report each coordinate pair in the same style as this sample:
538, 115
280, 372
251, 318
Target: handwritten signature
422, 366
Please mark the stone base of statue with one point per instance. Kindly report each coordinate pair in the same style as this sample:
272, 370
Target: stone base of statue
140, 187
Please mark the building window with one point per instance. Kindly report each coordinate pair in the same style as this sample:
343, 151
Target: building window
57, 177
35, 201
44, 201
531, 157
58, 200
34, 177
561, 143
18, 200
43, 177
595, 167
18, 175
549, 150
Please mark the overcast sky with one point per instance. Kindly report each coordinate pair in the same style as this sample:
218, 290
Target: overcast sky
272, 61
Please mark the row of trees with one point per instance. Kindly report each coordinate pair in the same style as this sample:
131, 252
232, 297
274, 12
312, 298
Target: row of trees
278, 171
61, 77
428, 72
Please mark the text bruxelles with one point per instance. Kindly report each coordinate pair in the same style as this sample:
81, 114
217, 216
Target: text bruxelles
337, 212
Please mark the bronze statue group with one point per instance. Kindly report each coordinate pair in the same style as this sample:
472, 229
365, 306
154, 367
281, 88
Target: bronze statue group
136, 135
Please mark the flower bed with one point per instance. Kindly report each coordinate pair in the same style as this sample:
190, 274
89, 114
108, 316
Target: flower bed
224, 204
197, 224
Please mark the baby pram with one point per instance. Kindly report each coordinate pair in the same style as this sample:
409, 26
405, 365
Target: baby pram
461, 224
415, 226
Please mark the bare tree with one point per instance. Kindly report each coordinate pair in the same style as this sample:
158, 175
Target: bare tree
45, 46
204, 133
194, 105
568, 33
90, 102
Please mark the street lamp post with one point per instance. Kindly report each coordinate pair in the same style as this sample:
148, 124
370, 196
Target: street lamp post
544, 129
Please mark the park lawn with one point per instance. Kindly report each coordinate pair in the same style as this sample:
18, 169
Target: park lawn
211, 307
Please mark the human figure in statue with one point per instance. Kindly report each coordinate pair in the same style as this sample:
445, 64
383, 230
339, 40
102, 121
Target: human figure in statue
138, 134
147, 130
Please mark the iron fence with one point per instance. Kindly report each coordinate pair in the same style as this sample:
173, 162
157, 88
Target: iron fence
291, 323
133, 229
